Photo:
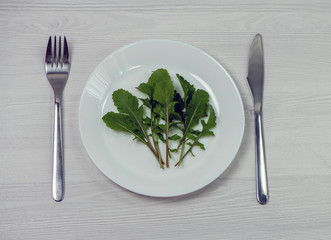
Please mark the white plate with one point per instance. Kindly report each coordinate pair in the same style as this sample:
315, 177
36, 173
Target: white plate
129, 163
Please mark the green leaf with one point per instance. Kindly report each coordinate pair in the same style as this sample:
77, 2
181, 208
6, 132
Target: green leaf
161, 137
161, 111
128, 104
147, 121
123, 123
164, 91
196, 109
175, 137
146, 102
197, 143
157, 129
164, 95
171, 108
191, 136
188, 89
179, 106
211, 123
206, 126
190, 151
158, 110
175, 118
157, 76
196, 132
146, 88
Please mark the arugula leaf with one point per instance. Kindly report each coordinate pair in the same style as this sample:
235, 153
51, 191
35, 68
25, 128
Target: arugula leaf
129, 119
146, 102
164, 95
174, 137
123, 123
164, 90
160, 91
148, 89
196, 143
196, 109
188, 89
158, 76
168, 109
206, 131
211, 123
196, 103
128, 104
178, 114
193, 111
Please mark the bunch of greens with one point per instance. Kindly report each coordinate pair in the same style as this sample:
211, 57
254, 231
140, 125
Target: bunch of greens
168, 112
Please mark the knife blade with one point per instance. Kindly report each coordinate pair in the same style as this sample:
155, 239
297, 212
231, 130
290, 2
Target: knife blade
255, 80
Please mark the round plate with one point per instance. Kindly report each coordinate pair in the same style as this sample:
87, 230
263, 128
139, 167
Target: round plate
129, 163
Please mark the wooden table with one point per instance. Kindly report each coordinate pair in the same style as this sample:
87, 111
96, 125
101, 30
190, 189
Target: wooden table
297, 40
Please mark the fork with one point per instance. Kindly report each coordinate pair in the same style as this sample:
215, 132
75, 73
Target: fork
57, 66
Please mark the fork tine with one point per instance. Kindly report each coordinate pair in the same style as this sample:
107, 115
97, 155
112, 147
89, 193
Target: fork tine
60, 53
65, 51
48, 58
55, 59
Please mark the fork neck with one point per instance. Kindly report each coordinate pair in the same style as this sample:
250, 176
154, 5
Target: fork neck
57, 97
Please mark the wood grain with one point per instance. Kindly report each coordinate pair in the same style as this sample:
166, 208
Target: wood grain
297, 40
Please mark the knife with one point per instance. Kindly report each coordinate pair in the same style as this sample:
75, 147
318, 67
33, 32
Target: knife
255, 80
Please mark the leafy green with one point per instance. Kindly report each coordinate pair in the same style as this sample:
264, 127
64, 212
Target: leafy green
128, 104
196, 135
167, 110
194, 109
120, 122
160, 91
129, 119
188, 89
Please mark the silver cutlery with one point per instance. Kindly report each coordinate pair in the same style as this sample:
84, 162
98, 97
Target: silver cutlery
255, 80
57, 65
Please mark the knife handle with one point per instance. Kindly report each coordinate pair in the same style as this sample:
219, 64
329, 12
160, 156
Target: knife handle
262, 193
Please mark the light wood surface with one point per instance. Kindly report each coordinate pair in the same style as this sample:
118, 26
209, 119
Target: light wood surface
297, 121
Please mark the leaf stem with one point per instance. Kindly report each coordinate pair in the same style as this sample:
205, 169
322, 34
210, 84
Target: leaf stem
181, 156
156, 144
190, 149
144, 132
180, 143
167, 136
188, 126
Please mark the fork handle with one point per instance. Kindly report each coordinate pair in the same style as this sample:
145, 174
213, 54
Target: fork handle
58, 166
262, 193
